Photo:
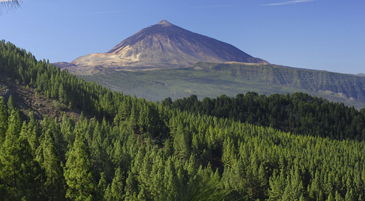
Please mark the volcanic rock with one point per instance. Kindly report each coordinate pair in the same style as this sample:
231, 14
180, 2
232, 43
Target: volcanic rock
164, 45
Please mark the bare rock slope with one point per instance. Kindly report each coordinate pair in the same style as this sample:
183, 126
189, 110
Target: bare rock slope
163, 45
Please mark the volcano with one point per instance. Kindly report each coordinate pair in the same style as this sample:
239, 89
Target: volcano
163, 45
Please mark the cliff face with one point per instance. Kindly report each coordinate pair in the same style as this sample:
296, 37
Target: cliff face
165, 45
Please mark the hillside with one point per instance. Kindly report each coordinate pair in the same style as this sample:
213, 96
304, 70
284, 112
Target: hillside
126, 148
214, 79
297, 113
27, 100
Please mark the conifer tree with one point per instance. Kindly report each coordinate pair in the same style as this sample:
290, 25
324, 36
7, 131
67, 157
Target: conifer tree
16, 162
33, 133
277, 186
349, 195
170, 180
59, 141
101, 188
338, 197
168, 148
62, 94
131, 187
78, 176
116, 189
181, 143
3, 121
67, 129
330, 197
51, 165
228, 156
133, 119
10, 104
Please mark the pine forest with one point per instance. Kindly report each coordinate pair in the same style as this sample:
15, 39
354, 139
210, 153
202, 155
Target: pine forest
249, 147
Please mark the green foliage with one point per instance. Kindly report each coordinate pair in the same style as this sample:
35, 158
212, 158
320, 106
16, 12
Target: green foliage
49, 161
18, 171
214, 149
58, 105
78, 176
3, 121
297, 113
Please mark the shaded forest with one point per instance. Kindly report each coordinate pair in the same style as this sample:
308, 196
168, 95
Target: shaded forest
297, 113
125, 148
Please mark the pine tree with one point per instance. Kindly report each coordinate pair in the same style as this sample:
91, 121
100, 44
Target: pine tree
338, 197
3, 121
330, 197
32, 168
62, 94
229, 150
168, 148
133, 119
67, 129
101, 188
349, 195
181, 143
116, 189
131, 187
33, 133
170, 181
10, 104
80, 182
277, 186
16, 162
51, 165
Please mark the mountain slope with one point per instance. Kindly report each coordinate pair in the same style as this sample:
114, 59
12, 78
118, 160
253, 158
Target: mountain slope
28, 99
345, 85
213, 79
135, 148
163, 45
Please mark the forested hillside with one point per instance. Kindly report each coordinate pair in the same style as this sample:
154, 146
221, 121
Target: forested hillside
134, 149
297, 113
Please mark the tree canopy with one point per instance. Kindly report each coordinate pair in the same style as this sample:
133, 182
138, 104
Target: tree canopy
251, 147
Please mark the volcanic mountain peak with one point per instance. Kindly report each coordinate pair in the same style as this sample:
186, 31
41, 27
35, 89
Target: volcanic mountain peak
165, 23
165, 45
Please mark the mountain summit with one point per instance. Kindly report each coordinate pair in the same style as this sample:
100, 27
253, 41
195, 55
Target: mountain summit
165, 23
165, 45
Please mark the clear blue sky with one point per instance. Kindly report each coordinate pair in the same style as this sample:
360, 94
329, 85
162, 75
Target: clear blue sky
315, 34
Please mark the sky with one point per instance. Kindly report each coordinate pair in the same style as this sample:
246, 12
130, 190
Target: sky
313, 34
